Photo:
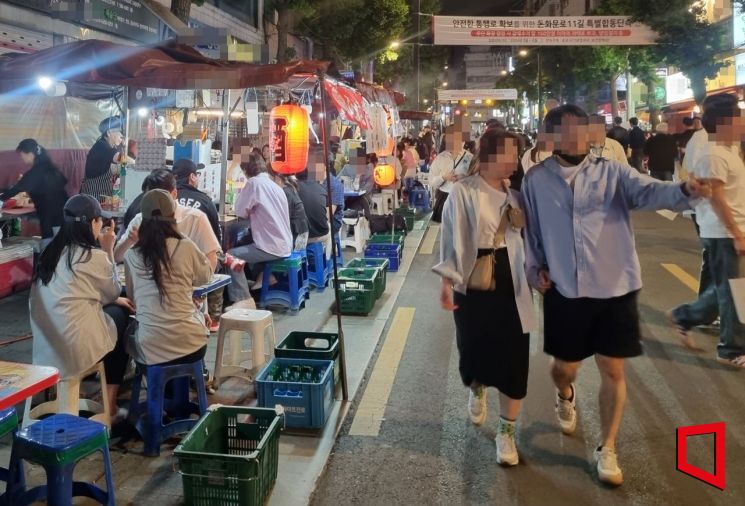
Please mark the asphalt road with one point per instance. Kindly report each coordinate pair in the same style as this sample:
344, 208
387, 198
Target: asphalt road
427, 452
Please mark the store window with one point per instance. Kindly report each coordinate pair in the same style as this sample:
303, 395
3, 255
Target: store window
244, 10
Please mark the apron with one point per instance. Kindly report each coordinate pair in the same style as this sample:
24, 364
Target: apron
98, 186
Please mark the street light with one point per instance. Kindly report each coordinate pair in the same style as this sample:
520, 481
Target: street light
504, 72
445, 85
395, 44
523, 52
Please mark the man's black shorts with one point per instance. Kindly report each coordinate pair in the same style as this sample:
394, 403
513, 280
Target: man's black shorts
575, 329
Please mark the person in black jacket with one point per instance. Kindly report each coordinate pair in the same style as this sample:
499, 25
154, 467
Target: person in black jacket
45, 184
100, 172
619, 133
661, 150
187, 179
298, 219
636, 143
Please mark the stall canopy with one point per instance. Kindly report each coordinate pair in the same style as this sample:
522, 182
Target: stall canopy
167, 66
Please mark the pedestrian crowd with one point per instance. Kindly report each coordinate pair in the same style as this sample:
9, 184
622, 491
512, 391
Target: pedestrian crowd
567, 235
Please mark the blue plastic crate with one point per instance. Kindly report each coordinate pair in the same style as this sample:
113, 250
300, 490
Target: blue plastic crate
306, 405
392, 252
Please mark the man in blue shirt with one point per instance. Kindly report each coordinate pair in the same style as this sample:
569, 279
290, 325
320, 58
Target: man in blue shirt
581, 255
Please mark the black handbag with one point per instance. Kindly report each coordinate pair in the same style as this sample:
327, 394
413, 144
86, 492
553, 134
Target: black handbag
440, 198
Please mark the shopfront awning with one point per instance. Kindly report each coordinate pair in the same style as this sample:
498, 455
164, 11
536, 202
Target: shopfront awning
166, 66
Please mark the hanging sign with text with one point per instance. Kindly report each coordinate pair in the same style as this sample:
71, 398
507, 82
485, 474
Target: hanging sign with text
541, 31
456, 95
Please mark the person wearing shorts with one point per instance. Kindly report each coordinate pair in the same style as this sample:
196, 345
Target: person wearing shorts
581, 255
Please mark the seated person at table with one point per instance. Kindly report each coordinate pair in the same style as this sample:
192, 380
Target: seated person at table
77, 316
265, 206
45, 184
298, 220
162, 269
360, 170
190, 222
315, 196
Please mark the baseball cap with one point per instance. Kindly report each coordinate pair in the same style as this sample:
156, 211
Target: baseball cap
184, 167
83, 208
111, 123
158, 205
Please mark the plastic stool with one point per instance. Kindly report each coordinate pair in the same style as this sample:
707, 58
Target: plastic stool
304, 272
259, 325
339, 258
58, 443
360, 233
69, 401
9, 425
290, 291
390, 201
318, 266
419, 198
378, 204
178, 405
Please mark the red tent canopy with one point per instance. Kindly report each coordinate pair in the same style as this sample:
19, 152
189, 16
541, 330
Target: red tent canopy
167, 66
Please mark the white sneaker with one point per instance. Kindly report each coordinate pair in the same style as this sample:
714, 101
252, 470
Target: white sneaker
506, 450
477, 405
566, 412
607, 464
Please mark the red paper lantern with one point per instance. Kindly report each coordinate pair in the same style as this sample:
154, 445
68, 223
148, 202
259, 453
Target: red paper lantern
384, 175
290, 139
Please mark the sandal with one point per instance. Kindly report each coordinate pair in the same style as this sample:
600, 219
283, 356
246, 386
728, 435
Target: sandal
738, 362
685, 338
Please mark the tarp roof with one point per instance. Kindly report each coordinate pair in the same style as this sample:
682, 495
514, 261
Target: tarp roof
167, 66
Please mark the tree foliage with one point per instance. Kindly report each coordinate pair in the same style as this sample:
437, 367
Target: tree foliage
182, 9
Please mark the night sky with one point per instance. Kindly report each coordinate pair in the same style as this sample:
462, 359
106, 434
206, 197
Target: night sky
482, 7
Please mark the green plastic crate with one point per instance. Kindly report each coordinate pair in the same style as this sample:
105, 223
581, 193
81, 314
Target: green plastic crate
230, 457
369, 277
408, 214
387, 238
357, 296
375, 263
311, 345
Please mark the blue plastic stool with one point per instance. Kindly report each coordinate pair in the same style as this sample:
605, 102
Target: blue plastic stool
318, 266
339, 256
304, 272
58, 443
9, 425
419, 198
147, 417
290, 291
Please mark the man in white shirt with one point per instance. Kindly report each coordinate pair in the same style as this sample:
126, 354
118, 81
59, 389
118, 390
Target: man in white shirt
190, 222
722, 226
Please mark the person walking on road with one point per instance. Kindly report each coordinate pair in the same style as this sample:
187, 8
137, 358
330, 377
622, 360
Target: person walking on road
482, 265
661, 150
581, 255
636, 143
722, 224
619, 133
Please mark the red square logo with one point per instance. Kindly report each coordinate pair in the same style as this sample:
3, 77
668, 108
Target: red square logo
718, 429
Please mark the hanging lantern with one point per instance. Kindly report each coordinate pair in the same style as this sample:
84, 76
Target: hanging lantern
384, 175
290, 139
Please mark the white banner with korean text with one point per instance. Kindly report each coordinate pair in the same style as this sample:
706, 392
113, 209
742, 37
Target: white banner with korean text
541, 31
486, 94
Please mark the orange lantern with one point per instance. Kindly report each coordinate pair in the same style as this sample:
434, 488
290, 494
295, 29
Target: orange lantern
290, 139
384, 175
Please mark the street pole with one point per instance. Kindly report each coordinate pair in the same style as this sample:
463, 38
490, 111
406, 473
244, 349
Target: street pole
540, 97
418, 48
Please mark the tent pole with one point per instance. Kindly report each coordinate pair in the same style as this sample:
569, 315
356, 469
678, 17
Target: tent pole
224, 151
334, 253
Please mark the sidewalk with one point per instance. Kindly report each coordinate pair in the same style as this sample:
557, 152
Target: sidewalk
141, 480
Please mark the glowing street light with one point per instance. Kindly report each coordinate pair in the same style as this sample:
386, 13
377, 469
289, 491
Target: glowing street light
395, 44
45, 83
444, 85
523, 52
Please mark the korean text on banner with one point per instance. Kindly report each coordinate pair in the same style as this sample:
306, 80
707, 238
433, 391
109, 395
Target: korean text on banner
349, 103
541, 31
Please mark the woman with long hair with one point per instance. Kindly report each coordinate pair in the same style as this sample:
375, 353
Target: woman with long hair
482, 265
162, 270
45, 184
77, 315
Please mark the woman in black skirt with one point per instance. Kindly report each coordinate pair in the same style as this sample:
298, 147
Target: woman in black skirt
482, 218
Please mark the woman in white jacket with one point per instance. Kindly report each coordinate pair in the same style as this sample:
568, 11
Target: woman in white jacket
492, 326
77, 315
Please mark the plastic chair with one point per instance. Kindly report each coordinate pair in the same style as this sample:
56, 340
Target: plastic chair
360, 233
318, 266
378, 204
259, 325
9, 425
390, 201
177, 405
58, 443
68, 400
419, 198
290, 290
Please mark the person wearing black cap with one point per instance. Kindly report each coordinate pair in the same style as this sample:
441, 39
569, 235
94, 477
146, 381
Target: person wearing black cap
46, 186
101, 167
162, 270
77, 315
186, 173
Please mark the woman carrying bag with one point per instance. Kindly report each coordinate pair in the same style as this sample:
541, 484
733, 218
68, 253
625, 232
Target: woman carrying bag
483, 282
447, 168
